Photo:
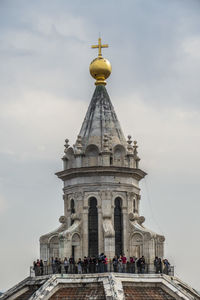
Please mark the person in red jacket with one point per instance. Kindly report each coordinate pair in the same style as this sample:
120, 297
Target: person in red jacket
105, 264
124, 261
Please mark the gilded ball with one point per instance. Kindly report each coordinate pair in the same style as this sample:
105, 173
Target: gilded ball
100, 68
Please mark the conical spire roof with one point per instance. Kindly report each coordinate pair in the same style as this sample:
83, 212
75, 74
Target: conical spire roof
101, 120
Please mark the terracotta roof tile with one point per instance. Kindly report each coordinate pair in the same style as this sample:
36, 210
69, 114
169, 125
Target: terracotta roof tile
147, 293
81, 292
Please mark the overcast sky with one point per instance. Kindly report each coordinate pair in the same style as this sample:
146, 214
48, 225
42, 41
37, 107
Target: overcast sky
45, 89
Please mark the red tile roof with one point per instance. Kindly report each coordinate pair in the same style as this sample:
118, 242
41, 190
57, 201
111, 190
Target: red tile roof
81, 292
147, 293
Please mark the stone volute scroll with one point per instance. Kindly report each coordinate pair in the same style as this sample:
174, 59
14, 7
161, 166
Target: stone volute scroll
63, 220
134, 217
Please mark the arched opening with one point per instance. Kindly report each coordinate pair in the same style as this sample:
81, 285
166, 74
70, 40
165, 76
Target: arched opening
118, 226
136, 248
92, 154
72, 207
54, 247
119, 154
93, 227
76, 246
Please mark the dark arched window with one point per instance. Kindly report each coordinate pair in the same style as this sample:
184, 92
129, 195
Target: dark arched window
118, 225
72, 209
93, 227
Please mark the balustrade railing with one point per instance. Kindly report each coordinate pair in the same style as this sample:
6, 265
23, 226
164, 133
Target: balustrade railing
49, 269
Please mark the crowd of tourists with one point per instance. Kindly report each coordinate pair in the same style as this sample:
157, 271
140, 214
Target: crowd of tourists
99, 264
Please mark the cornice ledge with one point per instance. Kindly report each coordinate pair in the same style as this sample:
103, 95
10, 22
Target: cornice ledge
101, 170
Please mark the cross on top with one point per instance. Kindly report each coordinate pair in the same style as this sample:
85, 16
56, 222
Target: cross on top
99, 46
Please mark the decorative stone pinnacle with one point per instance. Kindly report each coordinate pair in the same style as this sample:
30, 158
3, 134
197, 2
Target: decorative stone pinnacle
66, 145
129, 140
136, 157
135, 148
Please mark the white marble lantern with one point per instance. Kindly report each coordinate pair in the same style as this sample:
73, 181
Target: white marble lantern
101, 193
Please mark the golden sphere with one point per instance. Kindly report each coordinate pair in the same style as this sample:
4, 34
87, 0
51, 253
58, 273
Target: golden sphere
100, 69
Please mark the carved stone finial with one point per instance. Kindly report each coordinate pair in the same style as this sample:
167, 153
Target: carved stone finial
135, 146
135, 152
129, 142
66, 145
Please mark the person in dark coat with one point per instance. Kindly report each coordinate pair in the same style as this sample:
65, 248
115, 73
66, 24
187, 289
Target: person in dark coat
71, 265
139, 265
37, 268
115, 263
59, 266
90, 264
93, 264
166, 267
53, 265
41, 267
156, 264
160, 265
142, 265
85, 263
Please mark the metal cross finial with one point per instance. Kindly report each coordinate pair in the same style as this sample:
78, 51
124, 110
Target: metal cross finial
99, 46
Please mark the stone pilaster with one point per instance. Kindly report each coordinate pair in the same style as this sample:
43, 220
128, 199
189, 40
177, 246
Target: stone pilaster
67, 248
78, 160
